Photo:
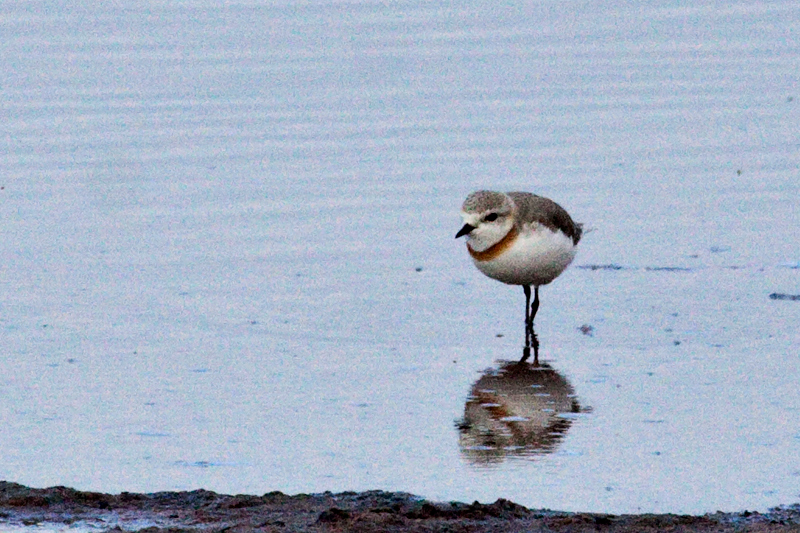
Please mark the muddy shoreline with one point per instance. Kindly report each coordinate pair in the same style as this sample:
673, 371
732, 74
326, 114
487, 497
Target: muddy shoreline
372, 511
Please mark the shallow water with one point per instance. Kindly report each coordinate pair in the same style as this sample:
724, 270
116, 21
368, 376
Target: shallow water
229, 258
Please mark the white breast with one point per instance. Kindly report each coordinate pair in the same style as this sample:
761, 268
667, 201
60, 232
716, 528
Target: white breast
537, 256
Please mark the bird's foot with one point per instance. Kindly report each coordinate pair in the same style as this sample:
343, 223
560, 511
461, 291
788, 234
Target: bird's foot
531, 340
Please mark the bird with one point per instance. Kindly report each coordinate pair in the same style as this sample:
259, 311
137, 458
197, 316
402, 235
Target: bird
519, 238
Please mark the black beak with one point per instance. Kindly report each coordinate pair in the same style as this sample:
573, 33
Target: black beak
464, 231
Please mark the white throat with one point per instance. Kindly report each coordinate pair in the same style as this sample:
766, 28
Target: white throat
486, 234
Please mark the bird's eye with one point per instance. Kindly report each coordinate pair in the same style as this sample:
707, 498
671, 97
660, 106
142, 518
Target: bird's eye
491, 217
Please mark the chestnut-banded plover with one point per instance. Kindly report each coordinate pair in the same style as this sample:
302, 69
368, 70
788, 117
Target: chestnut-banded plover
519, 238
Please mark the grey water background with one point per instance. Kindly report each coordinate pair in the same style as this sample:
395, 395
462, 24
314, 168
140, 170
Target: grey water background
228, 258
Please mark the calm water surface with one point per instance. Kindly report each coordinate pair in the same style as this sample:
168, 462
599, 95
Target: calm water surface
228, 257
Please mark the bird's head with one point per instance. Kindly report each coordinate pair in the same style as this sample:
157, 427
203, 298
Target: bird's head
488, 217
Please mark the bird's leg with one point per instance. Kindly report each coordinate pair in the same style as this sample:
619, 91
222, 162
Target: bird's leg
528, 318
526, 351
534, 309
535, 306
530, 335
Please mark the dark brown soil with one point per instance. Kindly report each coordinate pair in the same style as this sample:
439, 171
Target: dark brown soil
373, 511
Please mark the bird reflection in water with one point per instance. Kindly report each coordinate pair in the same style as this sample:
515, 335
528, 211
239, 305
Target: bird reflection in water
516, 410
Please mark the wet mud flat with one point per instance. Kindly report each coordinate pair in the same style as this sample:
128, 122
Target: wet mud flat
61, 508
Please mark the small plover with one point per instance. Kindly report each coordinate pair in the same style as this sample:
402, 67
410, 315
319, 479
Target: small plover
519, 238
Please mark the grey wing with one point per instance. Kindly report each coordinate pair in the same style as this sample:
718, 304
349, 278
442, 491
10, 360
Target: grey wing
534, 208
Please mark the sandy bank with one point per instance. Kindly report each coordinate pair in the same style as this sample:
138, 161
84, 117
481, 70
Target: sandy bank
201, 510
